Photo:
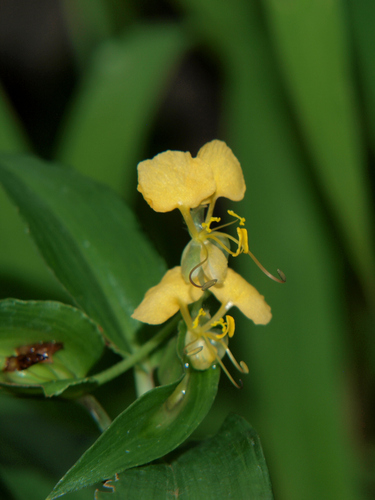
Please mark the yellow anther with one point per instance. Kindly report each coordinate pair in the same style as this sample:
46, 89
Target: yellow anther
241, 219
206, 225
243, 241
200, 314
221, 323
230, 325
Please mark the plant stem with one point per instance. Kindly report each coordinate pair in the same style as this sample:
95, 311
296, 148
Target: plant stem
144, 380
142, 352
96, 410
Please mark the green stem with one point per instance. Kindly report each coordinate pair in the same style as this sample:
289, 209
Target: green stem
142, 352
96, 410
144, 380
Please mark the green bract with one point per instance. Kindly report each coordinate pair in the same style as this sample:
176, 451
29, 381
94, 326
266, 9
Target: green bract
30, 323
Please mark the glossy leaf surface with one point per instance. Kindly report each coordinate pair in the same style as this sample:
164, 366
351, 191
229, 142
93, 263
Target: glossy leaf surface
229, 465
152, 426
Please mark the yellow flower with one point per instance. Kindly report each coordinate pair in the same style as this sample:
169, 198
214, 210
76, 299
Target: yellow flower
206, 340
176, 180
162, 301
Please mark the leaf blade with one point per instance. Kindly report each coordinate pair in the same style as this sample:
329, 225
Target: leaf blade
229, 465
89, 238
160, 420
110, 114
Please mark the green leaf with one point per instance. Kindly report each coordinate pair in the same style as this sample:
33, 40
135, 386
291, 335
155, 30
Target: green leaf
296, 362
362, 18
27, 323
89, 238
88, 22
170, 367
312, 46
152, 426
229, 465
111, 114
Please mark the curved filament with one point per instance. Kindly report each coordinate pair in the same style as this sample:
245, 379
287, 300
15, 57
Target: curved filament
206, 285
282, 276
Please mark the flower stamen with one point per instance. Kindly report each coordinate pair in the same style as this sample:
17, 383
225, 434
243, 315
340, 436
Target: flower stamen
206, 225
207, 284
241, 366
267, 273
241, 219
242, 244
238, 386
201, 314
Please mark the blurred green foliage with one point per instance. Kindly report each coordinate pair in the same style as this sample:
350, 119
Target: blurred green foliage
290, 87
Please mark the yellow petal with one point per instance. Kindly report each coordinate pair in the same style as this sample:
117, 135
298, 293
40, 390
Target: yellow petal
238, 292
227, 170
173, 179
162, 301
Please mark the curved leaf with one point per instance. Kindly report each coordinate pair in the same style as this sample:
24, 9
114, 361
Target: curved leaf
27, 323
89, 238
229, 465
152, 426
311, 43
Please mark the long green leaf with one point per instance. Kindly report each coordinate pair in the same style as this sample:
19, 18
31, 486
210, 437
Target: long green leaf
229, 465
90, 240
296, 361
312, 46
152, 426
362, 17
111, 113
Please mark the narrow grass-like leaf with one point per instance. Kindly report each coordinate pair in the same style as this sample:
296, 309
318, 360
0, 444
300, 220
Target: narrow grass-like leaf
362, 17
89, 22
28, 323
90, 240
312, 46
152, 426
296, 361
229, 465
111, 113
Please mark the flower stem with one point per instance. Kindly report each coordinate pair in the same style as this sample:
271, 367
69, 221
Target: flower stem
133, 359
144, 380
96, 410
